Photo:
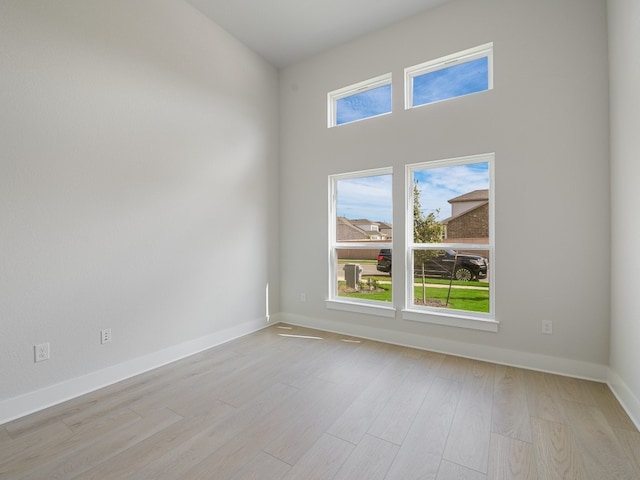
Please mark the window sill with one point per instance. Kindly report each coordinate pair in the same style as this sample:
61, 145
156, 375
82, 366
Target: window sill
366, 308
461, 321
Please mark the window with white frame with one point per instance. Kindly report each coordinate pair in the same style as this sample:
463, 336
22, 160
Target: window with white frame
359, 101
462, 73
448, 278
356, 201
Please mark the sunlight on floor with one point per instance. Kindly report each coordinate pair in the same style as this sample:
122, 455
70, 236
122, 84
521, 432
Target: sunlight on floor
283, 327
300, 336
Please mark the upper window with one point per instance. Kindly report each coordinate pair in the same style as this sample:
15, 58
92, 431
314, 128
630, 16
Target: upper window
455, 75
360, 101
450, 240
360, 213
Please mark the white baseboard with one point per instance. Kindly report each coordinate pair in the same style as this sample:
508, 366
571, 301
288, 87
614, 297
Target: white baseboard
22, 405
503, 356
629, 401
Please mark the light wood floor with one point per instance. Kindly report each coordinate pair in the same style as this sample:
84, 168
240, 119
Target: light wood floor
292, 403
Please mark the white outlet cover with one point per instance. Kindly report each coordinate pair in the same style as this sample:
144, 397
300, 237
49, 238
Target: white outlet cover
41, 352
105, 335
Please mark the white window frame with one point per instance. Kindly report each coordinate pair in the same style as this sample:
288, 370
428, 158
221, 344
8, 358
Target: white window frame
440, 316
441, 63
360, 87
356, 305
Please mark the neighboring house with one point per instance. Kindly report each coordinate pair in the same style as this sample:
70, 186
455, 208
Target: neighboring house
361, 229
469, 220
386, 230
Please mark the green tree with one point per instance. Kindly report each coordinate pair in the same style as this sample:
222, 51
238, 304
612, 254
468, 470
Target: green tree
426, 229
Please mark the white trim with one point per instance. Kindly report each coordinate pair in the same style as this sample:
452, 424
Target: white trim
363, 86
378, 309
22, 405
450, 246
441, 63
344, 92
452, 319
487, 353
629, 401
448, 162
372, 172
362, 245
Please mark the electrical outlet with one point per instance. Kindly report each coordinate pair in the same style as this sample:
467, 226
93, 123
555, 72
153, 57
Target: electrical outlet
105, 335
41, 352
547, 327
303, 297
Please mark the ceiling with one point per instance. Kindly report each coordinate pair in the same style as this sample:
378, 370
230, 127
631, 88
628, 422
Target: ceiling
286, 31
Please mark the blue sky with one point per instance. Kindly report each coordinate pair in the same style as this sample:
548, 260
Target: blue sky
370, 197
438, 185
364, 105
455, 81
450, 82
367, 197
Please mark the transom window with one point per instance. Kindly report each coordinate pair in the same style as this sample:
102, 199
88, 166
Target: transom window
360, 101
462, 73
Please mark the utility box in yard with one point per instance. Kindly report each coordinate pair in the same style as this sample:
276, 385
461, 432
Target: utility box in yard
352, 274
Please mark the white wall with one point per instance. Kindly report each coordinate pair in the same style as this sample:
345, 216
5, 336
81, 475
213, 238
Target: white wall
624, 51
138, 190
547, 122
139, 183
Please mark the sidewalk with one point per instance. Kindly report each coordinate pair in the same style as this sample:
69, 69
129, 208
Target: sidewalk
440, 285
419, 284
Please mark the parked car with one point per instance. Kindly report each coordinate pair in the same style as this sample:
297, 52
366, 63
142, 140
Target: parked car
465, 267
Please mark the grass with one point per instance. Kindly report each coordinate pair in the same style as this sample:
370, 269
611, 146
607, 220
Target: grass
469, 300
445, 281
461, 299
428, 280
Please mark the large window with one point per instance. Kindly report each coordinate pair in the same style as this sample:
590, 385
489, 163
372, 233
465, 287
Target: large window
450, 242
455, 75
359, 101
361, 230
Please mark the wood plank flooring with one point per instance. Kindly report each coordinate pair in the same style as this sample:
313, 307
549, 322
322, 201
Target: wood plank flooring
291, 403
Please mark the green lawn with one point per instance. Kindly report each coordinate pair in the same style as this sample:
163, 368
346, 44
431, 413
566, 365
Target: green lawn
445, 281
461, 299
433, 280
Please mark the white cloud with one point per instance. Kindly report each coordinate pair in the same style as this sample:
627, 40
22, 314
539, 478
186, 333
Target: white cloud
438, 185
371, 197
366, 197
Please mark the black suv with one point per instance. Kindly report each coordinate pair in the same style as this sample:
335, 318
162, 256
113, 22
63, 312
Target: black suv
467, 267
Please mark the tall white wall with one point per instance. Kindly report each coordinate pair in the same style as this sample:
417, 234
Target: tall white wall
138, 190
547, 122
624, 51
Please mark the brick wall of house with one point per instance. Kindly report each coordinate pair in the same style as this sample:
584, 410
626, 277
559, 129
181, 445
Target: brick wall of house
470, 225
